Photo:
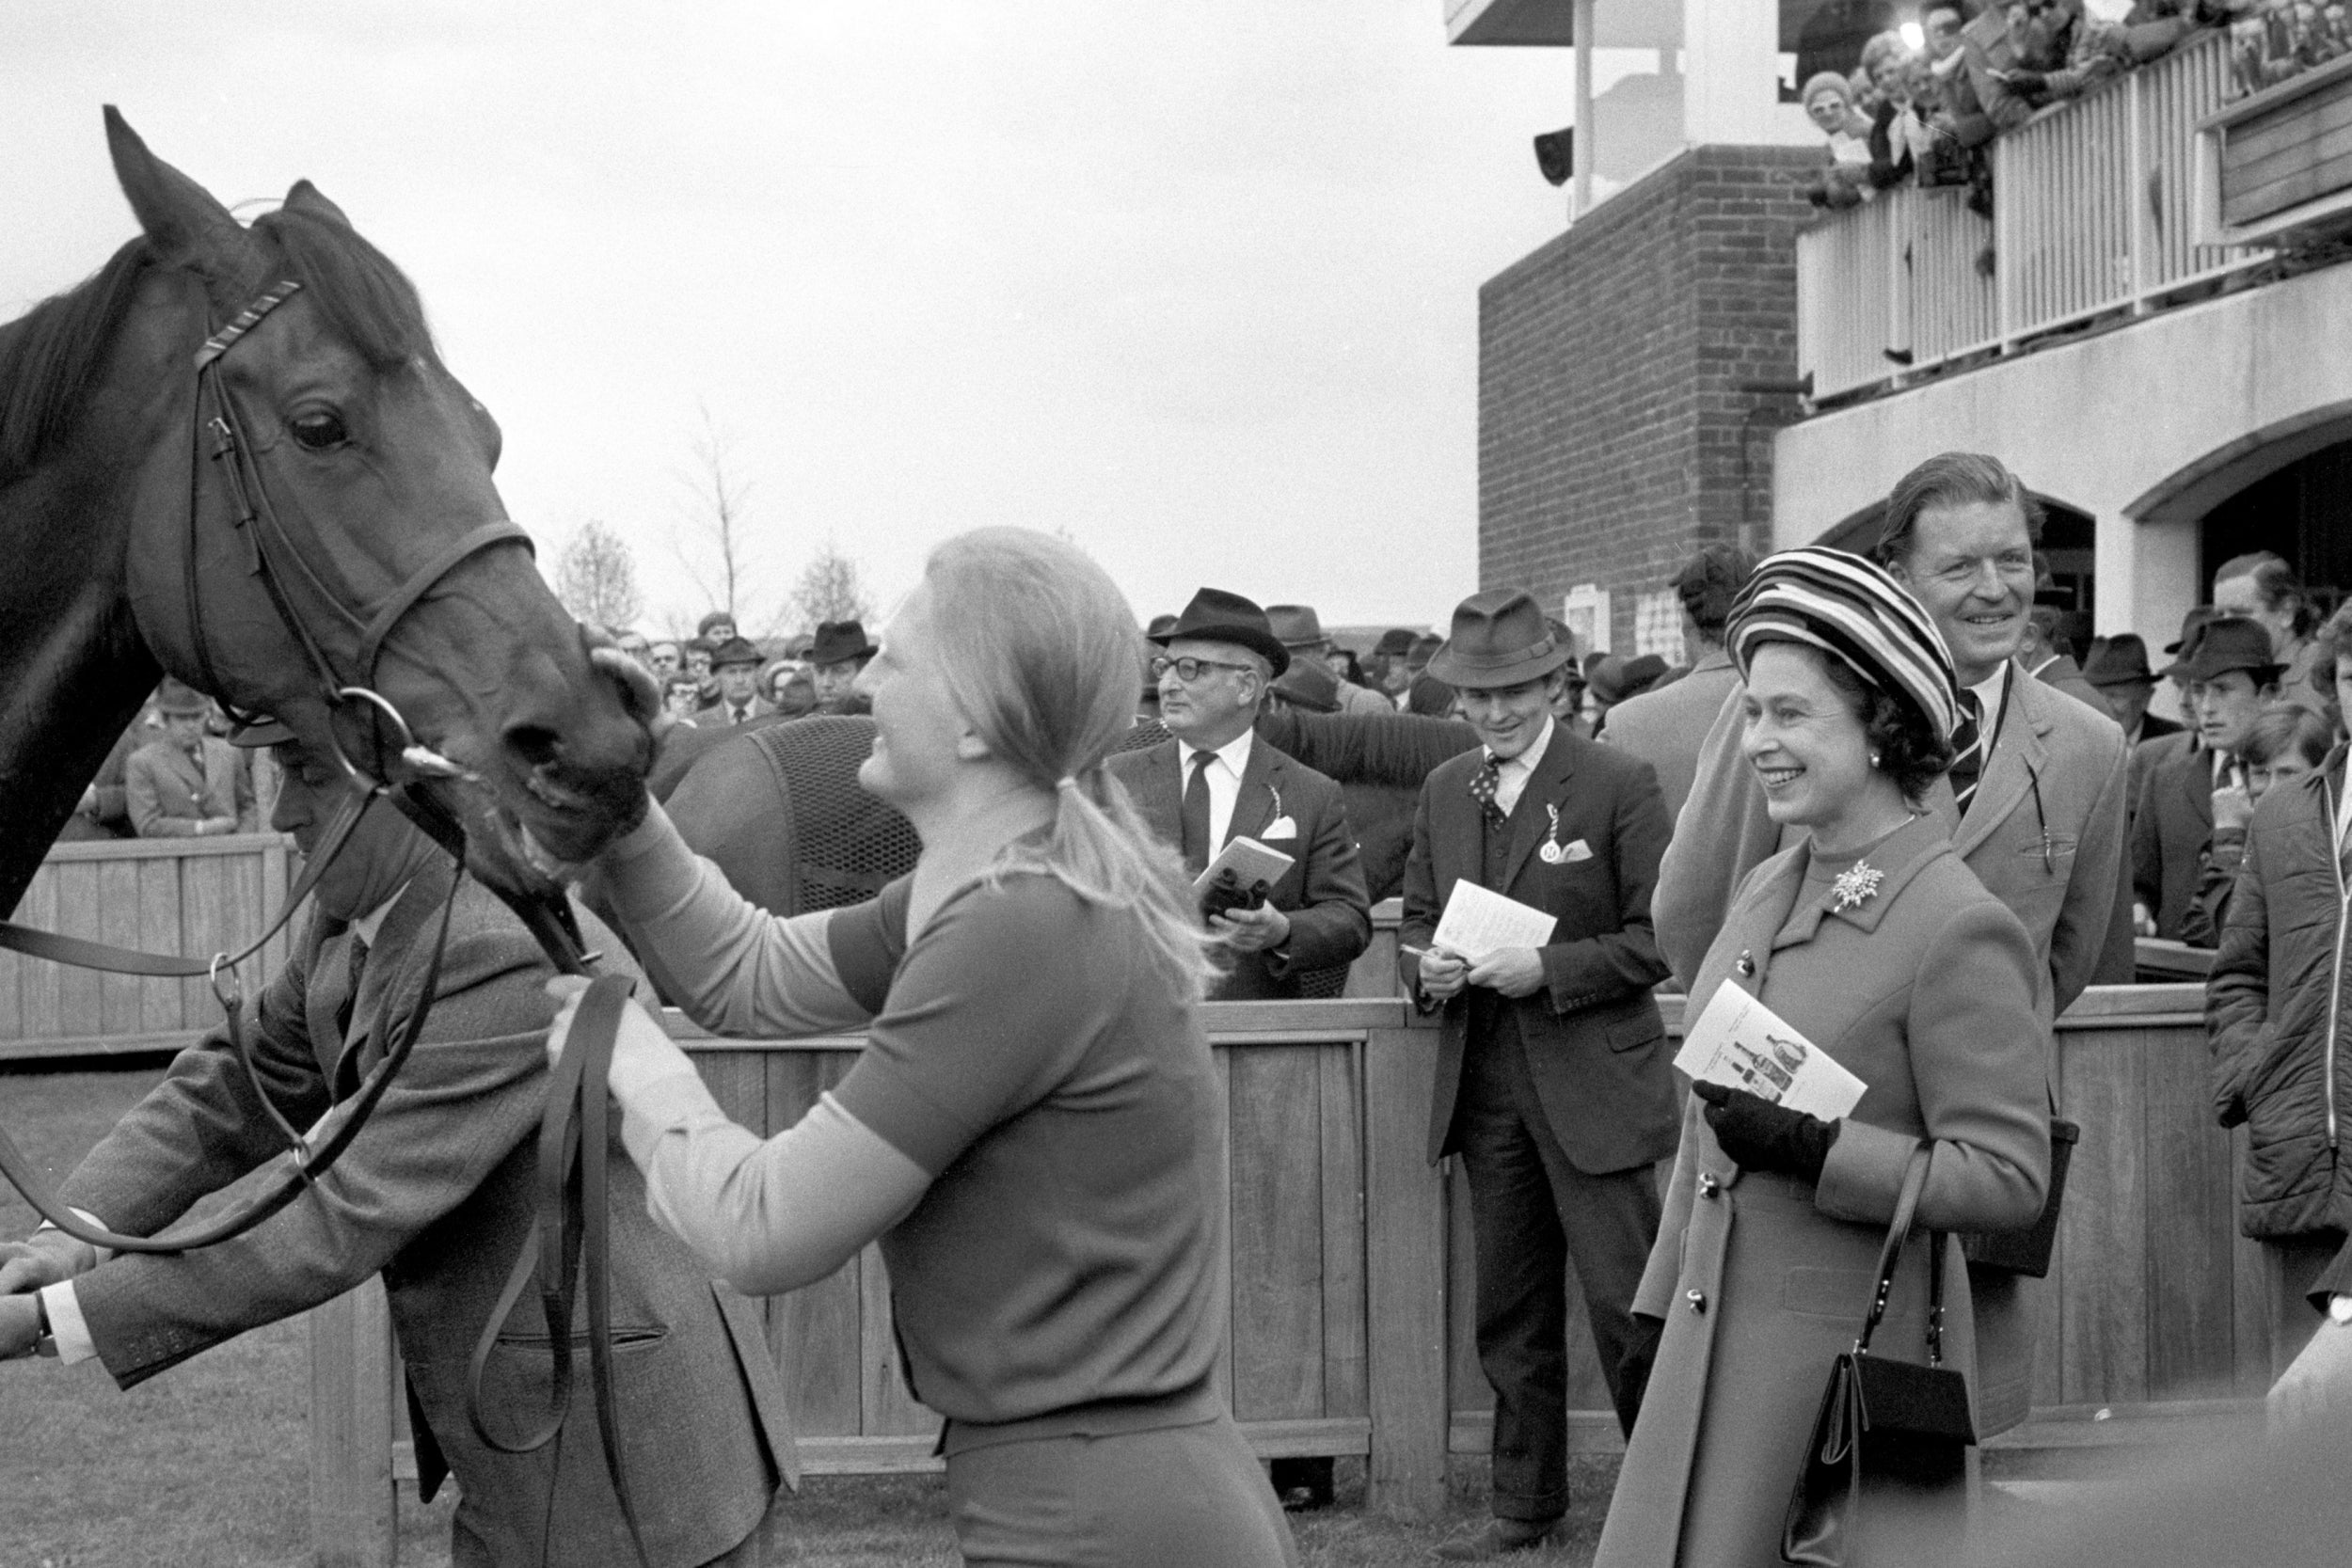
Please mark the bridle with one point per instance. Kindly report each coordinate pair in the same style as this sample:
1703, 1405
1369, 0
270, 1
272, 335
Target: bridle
573, 1146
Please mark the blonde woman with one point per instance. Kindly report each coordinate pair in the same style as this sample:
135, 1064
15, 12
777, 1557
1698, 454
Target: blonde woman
1034, 1130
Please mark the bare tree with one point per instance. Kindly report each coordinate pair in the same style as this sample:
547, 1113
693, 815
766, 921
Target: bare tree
595, 577
722, 566
830, 589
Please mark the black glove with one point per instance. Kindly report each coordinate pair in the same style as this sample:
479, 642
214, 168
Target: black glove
1762, 1137
1633, 1367
2031, 83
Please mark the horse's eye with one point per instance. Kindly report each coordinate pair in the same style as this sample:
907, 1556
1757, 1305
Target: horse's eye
318, 430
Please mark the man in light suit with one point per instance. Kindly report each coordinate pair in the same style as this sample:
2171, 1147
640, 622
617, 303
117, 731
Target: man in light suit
437, 1193
2034, 804
1216, 781
1553, 1080
1665, 725
186, 783
734, 664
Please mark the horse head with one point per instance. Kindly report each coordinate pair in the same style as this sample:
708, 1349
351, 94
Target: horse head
316, 535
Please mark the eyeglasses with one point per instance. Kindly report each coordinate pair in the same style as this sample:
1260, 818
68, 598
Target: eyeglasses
1189, 670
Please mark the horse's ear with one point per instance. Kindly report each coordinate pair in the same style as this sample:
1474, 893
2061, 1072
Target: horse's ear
183, 221
305, 198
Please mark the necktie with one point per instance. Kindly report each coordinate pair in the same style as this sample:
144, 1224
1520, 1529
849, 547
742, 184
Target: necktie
1967, 751
1196, 814
359, 960
1481, 787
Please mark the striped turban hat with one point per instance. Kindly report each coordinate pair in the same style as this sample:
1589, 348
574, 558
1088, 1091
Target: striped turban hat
1851, 609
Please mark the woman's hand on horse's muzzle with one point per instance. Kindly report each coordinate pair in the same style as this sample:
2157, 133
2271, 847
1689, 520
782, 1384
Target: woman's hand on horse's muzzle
1760, 1135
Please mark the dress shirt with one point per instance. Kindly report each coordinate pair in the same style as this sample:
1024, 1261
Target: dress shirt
1990, 692
1511, 775
1224, 777
66, 1322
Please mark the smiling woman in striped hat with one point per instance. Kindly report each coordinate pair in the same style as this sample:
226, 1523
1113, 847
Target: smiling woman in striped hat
1878, 946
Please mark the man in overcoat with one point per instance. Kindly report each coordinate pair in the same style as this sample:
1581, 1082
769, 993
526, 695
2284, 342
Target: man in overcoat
1553, 1071
2034, 804
434, 1194
187, 783
734, 664
1217, 781
2232, 673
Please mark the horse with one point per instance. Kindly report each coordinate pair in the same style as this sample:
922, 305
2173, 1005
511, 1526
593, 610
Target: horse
233, 453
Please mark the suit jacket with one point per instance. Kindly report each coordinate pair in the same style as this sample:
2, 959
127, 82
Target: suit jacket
437, 1193
2170, 829
171, 791
719, 717
1321, 892
2058, 767
1595, 1044
2067, 675
1666, 725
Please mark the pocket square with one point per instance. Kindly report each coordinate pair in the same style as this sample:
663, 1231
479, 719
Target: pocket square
1574, 851
1281, 827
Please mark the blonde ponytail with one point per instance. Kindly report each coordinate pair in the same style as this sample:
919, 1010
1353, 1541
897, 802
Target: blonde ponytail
1038, 648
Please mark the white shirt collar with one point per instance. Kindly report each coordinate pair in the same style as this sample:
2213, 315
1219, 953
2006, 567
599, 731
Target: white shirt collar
1990, 691
1525, 761
1235, 753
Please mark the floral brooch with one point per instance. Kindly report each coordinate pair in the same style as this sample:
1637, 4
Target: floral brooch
1855, 885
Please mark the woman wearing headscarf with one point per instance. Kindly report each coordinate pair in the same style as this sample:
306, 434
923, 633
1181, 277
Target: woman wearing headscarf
1877, 944
1034, 1130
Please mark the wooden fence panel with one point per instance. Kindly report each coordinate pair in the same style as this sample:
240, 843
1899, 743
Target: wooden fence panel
162, 1005
1346, 1365
1277, 1204
41, 1011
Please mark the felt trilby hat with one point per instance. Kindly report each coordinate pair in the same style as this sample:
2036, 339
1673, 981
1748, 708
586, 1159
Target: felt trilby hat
1307, 684
2234, 642
178, 696
1295, 626
735, 650
1499, 639
1217, 616
839, 642
2123, 661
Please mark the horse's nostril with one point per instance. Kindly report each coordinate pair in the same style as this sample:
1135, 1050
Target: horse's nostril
535, 743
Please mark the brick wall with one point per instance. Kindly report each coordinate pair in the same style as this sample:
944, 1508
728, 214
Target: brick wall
1610, 422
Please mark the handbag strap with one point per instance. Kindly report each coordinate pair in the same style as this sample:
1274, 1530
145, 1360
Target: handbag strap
1906, 1204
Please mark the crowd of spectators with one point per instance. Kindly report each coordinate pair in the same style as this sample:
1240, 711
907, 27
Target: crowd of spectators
1924, 110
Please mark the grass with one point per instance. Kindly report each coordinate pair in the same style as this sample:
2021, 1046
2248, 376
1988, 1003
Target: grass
205, 1466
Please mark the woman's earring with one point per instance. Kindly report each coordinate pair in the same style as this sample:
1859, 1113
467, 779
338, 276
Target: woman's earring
1874, 756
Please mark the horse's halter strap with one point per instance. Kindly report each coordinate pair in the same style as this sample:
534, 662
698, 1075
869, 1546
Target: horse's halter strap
274, 551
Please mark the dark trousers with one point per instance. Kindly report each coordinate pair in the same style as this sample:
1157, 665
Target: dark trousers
1532, 1213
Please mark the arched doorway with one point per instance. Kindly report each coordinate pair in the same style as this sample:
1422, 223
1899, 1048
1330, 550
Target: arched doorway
2301, 512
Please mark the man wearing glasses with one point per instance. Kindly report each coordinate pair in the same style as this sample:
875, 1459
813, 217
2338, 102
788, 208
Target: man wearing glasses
1216, 781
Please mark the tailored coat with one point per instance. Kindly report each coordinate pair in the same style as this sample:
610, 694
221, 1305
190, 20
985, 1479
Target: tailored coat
2171, 827
168, 792
437, 1193
719, 717
1666, 726
1287, 806
1595, 1045
1928, 990
2045, 836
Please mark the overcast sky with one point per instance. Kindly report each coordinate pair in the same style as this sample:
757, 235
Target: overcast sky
1195, 284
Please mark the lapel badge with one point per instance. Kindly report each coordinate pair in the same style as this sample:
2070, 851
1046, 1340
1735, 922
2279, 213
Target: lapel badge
1855, 885
1551, 852
1745, 964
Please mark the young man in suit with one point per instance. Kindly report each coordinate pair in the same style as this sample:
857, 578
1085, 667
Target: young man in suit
186, 783
2034, 802
1553, 1080
435, 1193
1217, 782
2232, 673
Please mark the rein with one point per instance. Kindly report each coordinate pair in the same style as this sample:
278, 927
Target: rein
572, 1227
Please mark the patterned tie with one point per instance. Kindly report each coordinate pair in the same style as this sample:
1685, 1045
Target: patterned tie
1196, 814
1481, 787
1967, 751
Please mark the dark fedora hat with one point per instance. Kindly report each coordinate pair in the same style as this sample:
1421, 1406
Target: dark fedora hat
1308, 685
839, 642
1396, 641
2234, 642
263, 731
2123, 661
1296, 626
735, 650
1217, 616
1615, 679
1158, 628
1499, 639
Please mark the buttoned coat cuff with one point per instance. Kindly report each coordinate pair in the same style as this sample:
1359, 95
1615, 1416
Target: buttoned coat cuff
1864, 1174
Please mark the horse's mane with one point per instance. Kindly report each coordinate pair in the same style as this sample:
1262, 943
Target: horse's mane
50, 356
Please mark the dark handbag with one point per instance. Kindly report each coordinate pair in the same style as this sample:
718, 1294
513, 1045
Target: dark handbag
2027, 1251
1890, 1443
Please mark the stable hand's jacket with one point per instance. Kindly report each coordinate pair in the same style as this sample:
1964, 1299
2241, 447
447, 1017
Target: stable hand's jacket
2275, 1012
